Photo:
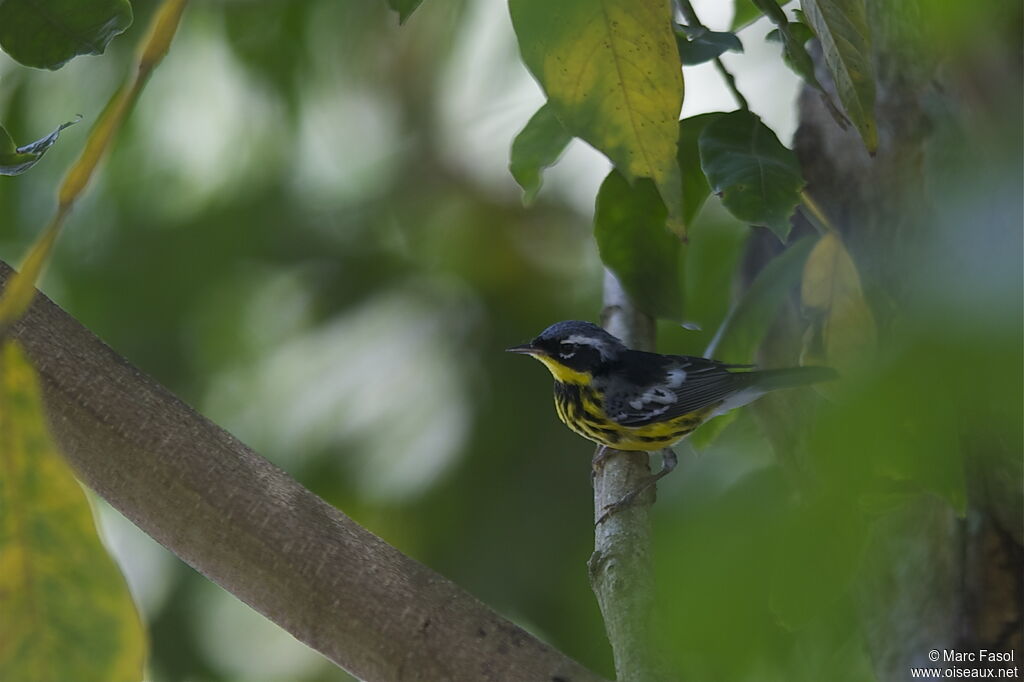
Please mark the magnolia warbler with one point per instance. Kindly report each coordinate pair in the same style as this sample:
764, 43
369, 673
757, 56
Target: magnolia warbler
633, 400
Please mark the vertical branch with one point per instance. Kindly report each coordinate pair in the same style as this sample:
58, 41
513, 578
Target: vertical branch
621, 569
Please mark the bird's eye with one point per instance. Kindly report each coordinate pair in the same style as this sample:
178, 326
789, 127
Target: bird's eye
568, 350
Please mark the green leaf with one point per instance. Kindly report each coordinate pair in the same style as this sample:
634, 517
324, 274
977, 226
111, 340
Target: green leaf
405, 8
67, 613
842, 28
47, 34
699, 45
794, 51
613, 77
747, 323
17, 160
695, 185
747, 13
629, 224
794, 37
536, 147
758, 179
802, 33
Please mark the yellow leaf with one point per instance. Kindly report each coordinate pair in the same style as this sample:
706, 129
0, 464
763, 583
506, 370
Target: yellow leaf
66, 610
842, 332
612, 74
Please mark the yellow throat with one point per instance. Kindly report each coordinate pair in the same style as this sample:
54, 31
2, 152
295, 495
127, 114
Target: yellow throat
562, 373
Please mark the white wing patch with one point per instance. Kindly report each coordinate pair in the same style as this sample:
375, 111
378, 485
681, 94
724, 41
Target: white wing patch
649, 414
602, 346
676, 377
654, 394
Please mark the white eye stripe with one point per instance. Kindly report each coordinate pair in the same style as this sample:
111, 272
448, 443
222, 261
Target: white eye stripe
597, 344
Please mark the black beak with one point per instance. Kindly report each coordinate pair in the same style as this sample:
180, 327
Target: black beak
525, 349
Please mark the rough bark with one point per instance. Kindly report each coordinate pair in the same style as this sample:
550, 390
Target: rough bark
252, 529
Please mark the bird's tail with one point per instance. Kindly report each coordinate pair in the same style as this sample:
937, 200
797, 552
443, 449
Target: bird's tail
773, 379
755, 384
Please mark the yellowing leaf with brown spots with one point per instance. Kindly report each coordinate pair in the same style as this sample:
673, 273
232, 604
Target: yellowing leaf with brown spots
842, 332
613, 77
65, 610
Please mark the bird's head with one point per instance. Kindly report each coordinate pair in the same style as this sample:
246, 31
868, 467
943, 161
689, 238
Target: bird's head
573, 351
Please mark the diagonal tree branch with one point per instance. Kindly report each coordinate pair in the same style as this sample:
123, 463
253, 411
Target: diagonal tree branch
252, 529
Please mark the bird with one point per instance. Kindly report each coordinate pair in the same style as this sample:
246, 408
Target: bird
624, 399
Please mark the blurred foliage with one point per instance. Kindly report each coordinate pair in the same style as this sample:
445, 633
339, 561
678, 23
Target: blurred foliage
307, 230
749, 320
841, 332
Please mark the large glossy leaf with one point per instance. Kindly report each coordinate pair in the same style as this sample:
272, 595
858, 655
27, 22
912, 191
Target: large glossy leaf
629, 224
757, 177
613, 78
747, 323
695, 185
536, 147
49, 33
67, 613
15, 160
842, 28
842, 332
405, 8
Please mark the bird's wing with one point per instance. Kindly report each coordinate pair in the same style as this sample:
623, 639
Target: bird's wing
652, 388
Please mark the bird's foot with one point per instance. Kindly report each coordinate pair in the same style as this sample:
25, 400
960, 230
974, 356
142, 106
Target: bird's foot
603, 453
668, 463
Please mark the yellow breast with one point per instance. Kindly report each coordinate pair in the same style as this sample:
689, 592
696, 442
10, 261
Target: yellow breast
582, 410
